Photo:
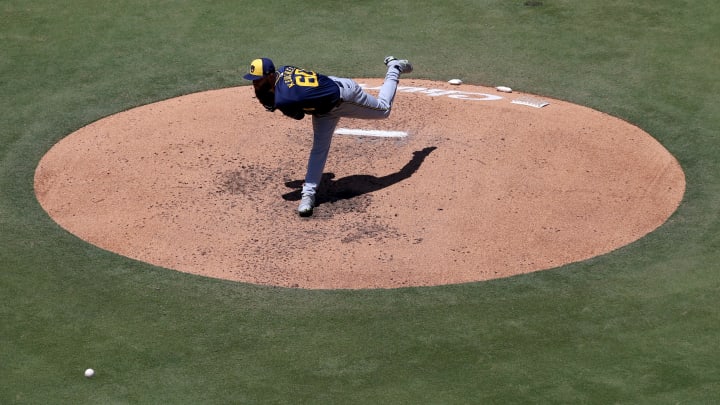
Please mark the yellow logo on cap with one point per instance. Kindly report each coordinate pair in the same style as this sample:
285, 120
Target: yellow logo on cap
256, 65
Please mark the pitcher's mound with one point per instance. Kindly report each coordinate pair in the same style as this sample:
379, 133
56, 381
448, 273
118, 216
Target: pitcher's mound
460, 184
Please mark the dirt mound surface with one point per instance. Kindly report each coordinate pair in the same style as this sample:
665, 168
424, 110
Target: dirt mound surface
483, 185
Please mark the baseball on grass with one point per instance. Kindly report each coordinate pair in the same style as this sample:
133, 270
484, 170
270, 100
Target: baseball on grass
89, 373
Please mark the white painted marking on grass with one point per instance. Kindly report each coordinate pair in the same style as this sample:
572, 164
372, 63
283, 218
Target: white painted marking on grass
371, 132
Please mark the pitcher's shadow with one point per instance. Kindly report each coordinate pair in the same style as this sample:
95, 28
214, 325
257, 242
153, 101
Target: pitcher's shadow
353, 186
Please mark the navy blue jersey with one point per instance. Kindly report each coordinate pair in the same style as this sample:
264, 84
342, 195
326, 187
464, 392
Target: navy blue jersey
299, 92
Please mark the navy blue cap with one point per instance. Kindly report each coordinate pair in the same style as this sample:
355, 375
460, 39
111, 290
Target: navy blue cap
259, 68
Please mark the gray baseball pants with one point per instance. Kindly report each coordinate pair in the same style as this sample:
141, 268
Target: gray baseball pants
356, 103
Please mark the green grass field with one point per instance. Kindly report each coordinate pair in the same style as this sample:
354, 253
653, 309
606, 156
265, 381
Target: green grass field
638, 325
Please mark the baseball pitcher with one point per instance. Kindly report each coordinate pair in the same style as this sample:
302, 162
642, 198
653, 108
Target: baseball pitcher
297, 92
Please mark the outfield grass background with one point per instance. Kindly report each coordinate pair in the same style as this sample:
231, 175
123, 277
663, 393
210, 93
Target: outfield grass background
638, 325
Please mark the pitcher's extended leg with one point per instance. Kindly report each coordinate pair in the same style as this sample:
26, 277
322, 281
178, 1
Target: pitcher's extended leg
359, 104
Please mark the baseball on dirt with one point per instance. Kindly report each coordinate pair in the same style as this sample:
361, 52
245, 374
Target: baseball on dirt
455, 81
89, 373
